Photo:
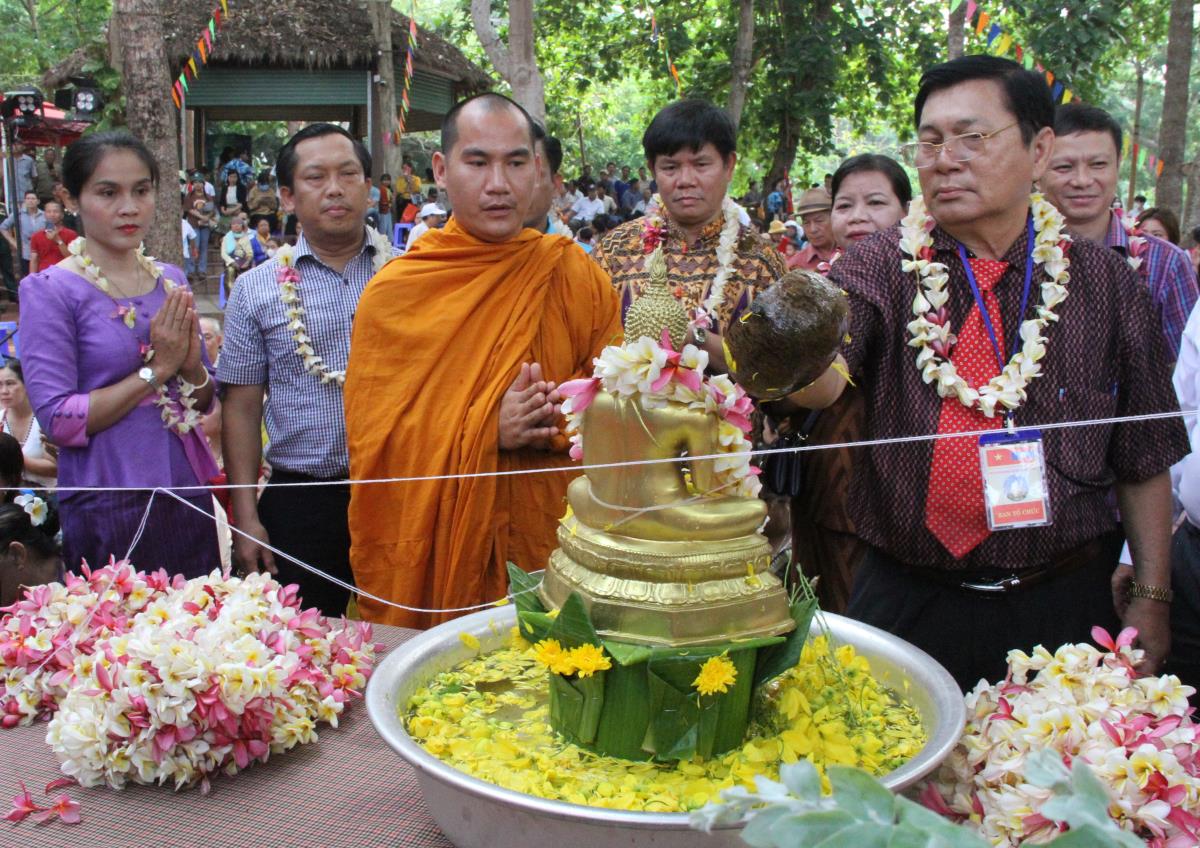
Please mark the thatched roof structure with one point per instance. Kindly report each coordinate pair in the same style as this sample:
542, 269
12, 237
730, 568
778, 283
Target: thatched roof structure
305, 34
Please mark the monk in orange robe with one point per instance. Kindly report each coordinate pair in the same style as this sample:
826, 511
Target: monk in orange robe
457, 349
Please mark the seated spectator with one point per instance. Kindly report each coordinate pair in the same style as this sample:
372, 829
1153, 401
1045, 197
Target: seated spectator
432, 217
630, 199
610, 206
233, 198
586, 239
48, 246
18, 420
777, 201
261, 201
240, 251
585, 210
262, 231
29, 556
1160, 222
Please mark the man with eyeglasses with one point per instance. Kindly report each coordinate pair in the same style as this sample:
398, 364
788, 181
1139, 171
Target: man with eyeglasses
958, 325
1081, 181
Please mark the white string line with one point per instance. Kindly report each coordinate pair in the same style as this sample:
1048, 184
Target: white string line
633, 463
337, 581
87, 619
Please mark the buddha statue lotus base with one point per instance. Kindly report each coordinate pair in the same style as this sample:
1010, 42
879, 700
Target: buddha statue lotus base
672, 594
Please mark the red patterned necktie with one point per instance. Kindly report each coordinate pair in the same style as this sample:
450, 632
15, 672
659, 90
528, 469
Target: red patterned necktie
954, 509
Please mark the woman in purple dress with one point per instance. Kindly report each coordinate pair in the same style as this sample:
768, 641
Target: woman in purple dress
115, 370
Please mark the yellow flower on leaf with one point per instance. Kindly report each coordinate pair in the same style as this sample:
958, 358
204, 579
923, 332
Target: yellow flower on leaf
716, 675
551, 654
588, 659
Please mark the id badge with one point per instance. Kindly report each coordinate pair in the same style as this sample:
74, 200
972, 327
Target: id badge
1014, 479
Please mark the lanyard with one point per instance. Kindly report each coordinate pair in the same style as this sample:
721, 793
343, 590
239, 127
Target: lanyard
983, 310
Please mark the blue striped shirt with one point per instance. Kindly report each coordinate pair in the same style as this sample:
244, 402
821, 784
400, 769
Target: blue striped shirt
306, 425
1168, 271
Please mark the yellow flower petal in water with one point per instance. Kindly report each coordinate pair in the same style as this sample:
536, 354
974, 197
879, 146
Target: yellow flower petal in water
828, 709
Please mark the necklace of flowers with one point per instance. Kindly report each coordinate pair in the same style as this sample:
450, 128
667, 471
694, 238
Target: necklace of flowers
930, 328
1137, 239
178, 414
654, 233
288, 278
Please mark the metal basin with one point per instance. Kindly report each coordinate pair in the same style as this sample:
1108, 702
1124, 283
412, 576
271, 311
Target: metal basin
476, 814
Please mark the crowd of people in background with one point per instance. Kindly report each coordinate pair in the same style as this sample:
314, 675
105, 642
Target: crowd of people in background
98, 411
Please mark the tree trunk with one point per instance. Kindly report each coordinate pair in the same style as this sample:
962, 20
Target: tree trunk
1191, 217
956, 31
786, 143
516, 61
386, 88
1136, 140
149, 113
1172, 132
743, 61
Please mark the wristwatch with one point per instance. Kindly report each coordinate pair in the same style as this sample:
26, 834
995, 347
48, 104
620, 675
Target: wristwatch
700, 334
147, 374
1154, 593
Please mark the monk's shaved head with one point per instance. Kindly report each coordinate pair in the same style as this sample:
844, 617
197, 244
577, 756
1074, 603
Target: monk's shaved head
489, 101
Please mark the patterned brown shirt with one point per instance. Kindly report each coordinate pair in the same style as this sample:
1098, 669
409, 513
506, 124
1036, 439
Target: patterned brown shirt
1104, 358
690, 267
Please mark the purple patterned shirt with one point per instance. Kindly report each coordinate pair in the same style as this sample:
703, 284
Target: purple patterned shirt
1103, 359
72, 342
1168, 271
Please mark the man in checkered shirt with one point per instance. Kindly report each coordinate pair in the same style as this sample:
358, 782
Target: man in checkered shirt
322, 173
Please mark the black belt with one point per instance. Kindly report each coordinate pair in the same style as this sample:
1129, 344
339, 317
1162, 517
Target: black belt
282, 475
994, 582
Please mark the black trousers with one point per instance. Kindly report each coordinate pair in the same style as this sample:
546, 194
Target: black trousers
1184, 660
971, 633
311, 524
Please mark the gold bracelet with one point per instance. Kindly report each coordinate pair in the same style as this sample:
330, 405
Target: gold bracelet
1154, 593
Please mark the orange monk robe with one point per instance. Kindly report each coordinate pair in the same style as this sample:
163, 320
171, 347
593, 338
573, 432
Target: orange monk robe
439, 336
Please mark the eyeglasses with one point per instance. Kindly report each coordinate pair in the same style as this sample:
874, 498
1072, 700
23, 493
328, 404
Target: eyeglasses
960, 148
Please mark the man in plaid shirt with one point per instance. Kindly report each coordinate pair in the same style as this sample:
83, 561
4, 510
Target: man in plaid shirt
1082, 182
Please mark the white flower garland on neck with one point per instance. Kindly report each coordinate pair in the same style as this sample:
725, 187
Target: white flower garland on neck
930, 328
179, 414
726, 254
288, 278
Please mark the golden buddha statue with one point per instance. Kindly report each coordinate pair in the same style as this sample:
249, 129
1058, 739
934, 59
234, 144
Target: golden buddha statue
664, 553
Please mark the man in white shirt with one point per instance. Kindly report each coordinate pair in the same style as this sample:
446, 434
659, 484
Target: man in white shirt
1184, 659
432, 216
586, 209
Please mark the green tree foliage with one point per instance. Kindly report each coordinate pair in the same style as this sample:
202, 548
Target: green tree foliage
39, 33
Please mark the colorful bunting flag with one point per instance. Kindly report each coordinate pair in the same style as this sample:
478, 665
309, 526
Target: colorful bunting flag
984, 17
971, 7
1141, 159
1056, 91
200, 55
1158, 168
1067, 96
1003, 44
993, 34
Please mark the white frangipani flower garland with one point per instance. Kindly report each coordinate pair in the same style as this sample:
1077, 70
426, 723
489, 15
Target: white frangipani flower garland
288, 278
930, 328
178, 414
